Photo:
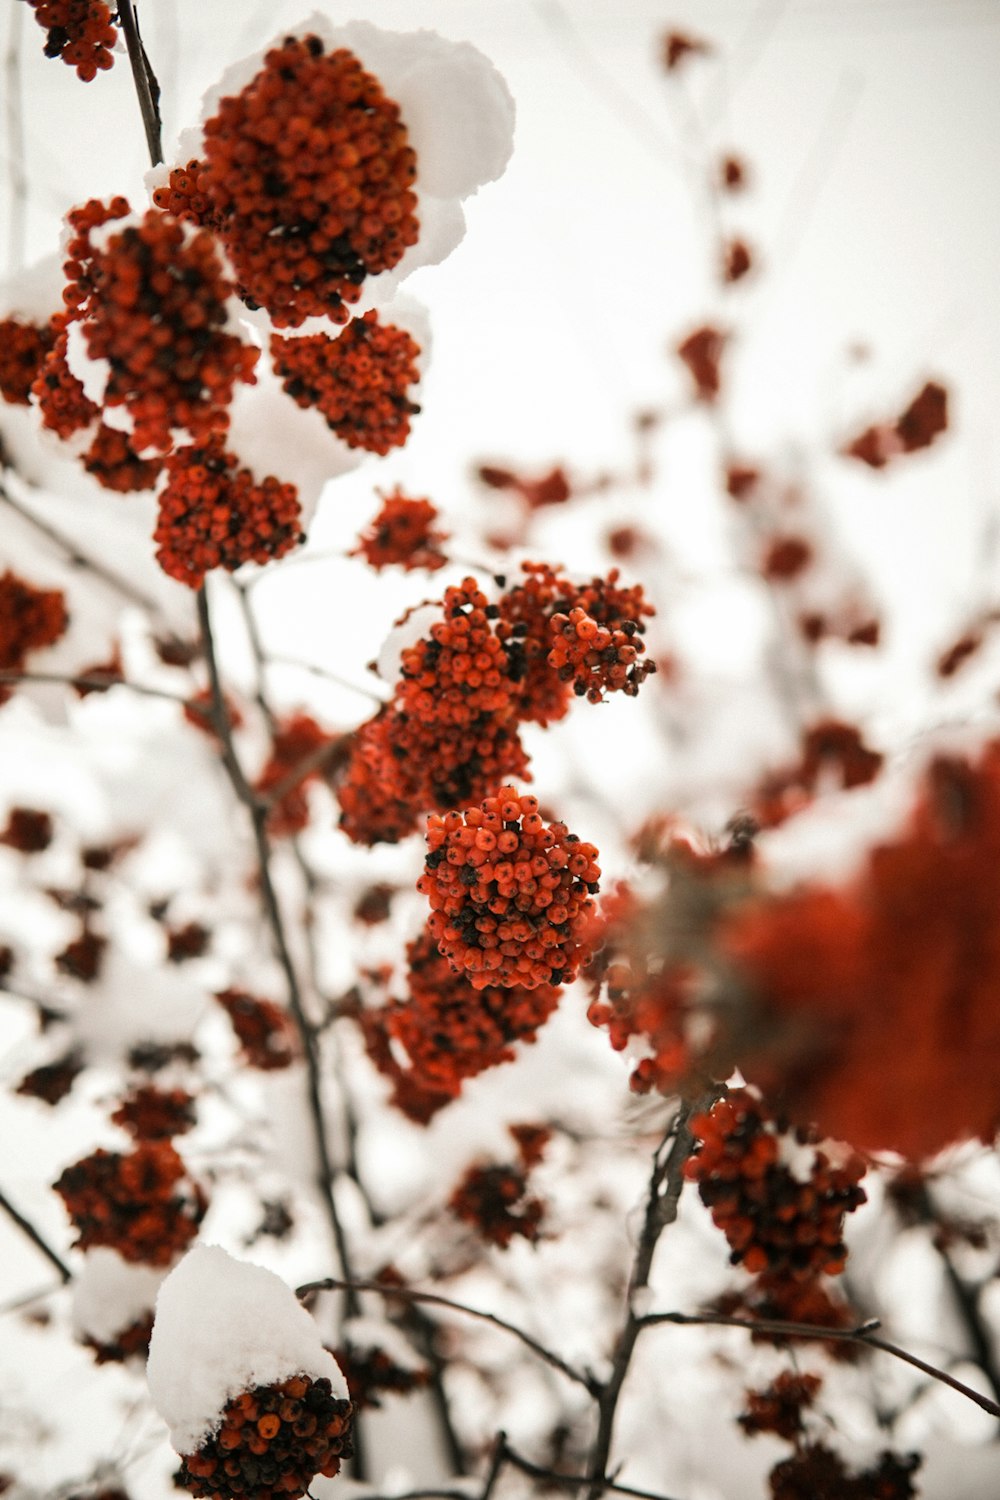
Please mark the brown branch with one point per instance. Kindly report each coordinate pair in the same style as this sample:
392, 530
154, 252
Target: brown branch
433, 1299
95, 681
864, 1334
36, 1237
307, 1035
571, 1481
146, 86
665, 1184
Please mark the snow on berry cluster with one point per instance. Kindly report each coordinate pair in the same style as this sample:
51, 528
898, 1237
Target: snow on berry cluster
779, 1198
80, 32
256, 1406
308, 176
510, 895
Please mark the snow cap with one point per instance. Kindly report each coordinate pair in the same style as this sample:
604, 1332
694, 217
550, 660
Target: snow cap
222, 1327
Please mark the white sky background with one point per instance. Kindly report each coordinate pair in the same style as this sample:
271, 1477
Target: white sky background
871, 128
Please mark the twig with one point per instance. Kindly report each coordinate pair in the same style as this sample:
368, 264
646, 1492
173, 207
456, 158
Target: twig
96, 681
434, 1299
78, 559
146, 86
277, 660
573, 1481
258, 818
864, 1334
36, 1237
665, 1184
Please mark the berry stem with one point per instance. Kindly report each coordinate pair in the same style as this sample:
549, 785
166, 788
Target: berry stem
146, 86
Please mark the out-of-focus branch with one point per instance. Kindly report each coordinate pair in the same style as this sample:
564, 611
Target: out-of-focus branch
865, 1334
79, 559
35, 1236
94, 681
566, 1481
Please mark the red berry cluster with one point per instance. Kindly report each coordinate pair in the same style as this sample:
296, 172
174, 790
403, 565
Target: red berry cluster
272, 1442
79, 265
185, 198
451, 1031
637, 995
774, 1220
189, 940
403, 533
30, 619
595, 659
156, 310
571, 637
142, 1204
833, 752
64, 406
52, 1081
779, 1406
509, 895
450, 733
79, 31
128, 1343
370, 1372
213, 514
308, 174
301, 751
28, 830
83, 956
358, 381
817, 1471
413, 1099
149, 1113
23, 347
115, 464
265, 1033
495, 1201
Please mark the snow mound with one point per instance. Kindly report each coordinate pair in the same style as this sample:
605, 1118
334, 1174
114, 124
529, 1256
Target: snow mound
224, 1326
110, 1295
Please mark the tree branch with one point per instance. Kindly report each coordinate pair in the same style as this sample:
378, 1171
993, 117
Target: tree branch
433, 1299
865, 1334
36, 1237
146, 86
307, 1035
665, 1184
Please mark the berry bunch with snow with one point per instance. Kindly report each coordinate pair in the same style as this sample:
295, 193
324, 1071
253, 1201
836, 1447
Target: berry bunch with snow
255, 1404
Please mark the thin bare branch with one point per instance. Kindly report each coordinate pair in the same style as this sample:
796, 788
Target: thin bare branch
665, 1185
307, 1035
79, 559
94, 681
434, 1299
36, 1237
864, 1334
17, 178
572, 1481
146, 86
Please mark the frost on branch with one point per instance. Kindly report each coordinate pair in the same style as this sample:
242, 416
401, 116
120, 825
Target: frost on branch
255, 1405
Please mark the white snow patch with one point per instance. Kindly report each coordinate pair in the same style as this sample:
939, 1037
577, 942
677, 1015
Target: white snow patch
109, 1295
413, 627
223, 1326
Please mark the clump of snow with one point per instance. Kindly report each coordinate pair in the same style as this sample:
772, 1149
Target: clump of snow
375, 1333
133, 1003
109, 1295
413, 627
223, 1326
